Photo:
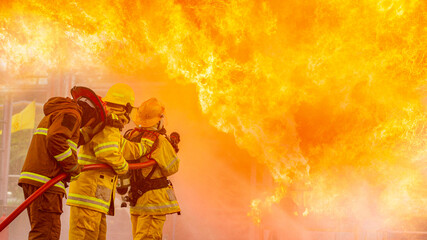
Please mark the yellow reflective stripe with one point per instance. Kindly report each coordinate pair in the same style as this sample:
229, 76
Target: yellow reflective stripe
109, 146
172, 162
104, 144
140, 149
41, 131
147, 140
72, 145
93, 199
82, 162
63, 155
75, 177
123, 143
114, 117
82, 155
123, 166
74, 168
153, 207
86, 159
106, 149
39, 178
88, 201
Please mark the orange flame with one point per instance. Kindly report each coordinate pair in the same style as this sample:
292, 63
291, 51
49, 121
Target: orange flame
327, 94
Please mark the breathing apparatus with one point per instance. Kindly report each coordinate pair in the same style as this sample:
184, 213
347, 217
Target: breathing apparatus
150, 121
124, 181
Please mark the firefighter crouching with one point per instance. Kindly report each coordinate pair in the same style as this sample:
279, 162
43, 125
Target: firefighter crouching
151, 194
53, 151
91, 197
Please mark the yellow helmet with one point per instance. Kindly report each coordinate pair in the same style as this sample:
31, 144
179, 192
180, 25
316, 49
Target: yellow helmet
149, 113
121, 94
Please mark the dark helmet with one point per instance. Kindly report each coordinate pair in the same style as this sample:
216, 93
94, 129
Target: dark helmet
89, 110
91, 105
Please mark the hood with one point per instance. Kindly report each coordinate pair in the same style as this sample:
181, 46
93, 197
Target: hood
60, 103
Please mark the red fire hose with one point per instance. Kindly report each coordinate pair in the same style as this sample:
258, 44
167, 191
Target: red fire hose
53, 181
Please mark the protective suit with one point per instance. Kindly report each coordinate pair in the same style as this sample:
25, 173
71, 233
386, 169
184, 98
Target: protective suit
91, 196
54, 144
51, 152
148, 215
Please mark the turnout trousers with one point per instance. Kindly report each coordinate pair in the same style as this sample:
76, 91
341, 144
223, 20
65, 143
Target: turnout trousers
146, 227
87, 224
44, 214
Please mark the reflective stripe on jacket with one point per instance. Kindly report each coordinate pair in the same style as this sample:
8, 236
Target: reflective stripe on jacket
159, 201
39, 178
53, 147
95, 189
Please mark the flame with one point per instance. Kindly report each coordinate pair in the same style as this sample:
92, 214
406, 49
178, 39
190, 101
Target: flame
327, 94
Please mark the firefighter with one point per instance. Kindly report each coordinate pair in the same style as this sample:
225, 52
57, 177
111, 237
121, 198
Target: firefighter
53, 151
91, 196
151, 193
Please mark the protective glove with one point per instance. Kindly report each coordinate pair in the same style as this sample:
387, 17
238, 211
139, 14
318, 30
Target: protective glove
74, 175
113, 121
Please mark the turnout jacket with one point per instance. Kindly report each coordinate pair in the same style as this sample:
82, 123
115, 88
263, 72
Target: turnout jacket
53, 148
95, 189
158, 201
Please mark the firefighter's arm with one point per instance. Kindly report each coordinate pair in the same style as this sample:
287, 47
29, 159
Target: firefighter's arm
59, 143
106, 146
87, 133
135, 150
166, 157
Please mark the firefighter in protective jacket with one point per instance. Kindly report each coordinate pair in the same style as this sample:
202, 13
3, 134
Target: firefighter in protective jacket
51, 152
91, 197
151, 193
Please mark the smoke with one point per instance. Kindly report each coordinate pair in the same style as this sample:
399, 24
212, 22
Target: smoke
327, 95
213, 183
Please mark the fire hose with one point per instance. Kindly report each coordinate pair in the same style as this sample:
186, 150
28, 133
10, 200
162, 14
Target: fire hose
55, 180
